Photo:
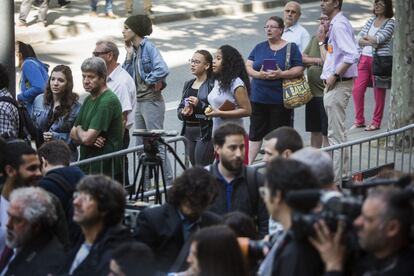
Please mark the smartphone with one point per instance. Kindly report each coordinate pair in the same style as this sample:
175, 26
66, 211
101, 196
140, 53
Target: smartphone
269, 64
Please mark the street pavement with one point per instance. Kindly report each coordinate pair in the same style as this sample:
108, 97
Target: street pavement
179, 39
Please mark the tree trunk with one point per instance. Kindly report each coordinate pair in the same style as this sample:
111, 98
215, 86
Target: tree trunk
402, 91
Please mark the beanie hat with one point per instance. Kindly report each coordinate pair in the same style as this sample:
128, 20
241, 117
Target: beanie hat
140, 24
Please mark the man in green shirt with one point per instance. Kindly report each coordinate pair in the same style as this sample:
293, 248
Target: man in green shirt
98, 128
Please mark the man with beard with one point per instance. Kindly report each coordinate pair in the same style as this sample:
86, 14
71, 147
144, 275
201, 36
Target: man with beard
384, 232
98, 127
165, 229
21, 168
32, 248
238, 184
99, 204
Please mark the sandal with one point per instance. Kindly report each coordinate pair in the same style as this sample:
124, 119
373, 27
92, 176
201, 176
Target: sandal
354, 126
371, 128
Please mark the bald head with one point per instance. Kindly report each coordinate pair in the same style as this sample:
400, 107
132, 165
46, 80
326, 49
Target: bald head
291, 13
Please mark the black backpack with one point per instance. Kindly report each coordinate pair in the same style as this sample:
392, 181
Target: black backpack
27, 129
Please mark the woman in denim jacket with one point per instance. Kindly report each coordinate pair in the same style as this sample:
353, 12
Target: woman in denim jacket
148, 69
197, 128
55, 111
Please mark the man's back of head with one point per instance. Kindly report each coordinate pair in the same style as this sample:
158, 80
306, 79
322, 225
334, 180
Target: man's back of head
195, 188
287, 175
282, 141
128, 258
55, 153
4, 77
320, 163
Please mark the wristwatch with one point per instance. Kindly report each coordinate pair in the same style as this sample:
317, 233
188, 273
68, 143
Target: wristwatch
337, 76
320, 43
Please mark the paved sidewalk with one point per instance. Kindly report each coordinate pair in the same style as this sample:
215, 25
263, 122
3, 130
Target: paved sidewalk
74, 19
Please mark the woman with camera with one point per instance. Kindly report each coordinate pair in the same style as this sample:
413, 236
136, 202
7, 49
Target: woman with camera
374, 38
196, 126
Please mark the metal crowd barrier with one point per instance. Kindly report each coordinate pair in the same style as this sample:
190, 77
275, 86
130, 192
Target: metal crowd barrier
389, 149
132, 155
393, 147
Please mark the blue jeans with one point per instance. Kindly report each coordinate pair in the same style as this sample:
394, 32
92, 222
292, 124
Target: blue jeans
108, 5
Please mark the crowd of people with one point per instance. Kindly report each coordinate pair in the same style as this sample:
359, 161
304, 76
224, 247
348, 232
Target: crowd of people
222, 216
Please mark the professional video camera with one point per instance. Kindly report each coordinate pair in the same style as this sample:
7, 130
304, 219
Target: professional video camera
152, 137
331, 206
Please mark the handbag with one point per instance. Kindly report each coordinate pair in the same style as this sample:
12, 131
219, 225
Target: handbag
296, 91
382, 65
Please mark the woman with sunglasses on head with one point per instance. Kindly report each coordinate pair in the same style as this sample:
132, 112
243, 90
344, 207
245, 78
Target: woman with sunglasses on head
375, 36
266, 66
196, 126
55, 111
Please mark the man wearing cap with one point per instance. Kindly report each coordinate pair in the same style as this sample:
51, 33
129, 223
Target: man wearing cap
148, 69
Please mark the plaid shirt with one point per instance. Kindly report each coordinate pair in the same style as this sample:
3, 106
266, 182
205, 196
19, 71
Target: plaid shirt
9, 117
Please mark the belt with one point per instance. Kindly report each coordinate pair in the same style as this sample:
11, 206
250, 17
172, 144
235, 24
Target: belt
344, 79
192, 123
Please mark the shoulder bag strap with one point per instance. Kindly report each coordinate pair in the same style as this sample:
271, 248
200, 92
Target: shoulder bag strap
287, 61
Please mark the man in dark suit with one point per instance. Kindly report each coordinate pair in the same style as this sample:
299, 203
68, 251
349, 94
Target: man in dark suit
32, 248
165, 229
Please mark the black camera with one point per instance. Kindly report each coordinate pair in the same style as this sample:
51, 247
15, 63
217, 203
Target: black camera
152, 137
331, 206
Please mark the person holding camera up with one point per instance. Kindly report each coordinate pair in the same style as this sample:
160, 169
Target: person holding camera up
383, 232
288, 256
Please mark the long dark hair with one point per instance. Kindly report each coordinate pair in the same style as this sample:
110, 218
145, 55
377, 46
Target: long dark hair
232, 67
26, 50
209, 59
67, 99
218, 252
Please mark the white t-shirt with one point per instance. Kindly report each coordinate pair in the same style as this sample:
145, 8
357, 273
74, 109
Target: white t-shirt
367, 50
121, 83
217, 97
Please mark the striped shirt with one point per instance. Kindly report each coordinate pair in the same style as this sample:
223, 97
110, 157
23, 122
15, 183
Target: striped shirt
383, 35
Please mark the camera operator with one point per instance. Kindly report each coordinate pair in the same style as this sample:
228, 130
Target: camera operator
288, 256
383, 232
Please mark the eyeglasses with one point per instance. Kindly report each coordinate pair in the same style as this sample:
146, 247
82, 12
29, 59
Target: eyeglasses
271, 27
379, 3
97, 54
194, 61
84, 197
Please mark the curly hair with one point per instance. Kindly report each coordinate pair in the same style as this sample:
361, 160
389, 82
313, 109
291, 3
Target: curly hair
196, 185
68, 97
232, 67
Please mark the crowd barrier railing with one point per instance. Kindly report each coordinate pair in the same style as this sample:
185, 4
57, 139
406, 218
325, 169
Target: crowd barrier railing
393, 147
